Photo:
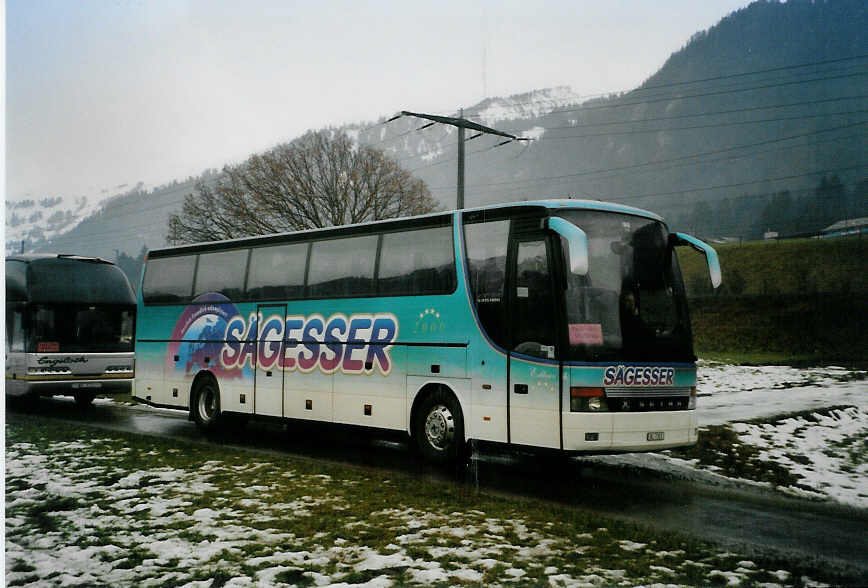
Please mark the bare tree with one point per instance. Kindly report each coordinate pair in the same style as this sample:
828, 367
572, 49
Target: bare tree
321, 179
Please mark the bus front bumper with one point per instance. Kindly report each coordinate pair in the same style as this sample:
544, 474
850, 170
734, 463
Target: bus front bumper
69, 387
639, 431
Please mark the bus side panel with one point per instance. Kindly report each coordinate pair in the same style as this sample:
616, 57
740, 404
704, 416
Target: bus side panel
448, 362
488, 371
374, 400
487, 367
534, 412
149, 386
308, 396
16, 371
236, 393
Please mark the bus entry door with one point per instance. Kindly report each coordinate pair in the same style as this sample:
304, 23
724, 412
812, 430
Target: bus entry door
534, 371
268, 379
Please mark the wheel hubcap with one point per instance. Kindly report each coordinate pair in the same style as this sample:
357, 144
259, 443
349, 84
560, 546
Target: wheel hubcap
440, 427
207, 404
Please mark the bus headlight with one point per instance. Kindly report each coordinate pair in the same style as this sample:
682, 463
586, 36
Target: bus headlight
691, 404
587, 400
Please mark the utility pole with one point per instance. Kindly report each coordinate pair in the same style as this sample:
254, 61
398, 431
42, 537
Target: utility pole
460, 196
461, 123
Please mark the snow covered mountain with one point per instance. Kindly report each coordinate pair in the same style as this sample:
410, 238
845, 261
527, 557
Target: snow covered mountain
31, 221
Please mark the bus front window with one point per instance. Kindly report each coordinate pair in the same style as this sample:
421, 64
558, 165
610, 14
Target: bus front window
630, 306
74, 328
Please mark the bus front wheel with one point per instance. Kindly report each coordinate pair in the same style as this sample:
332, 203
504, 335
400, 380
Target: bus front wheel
439, 428
206, 405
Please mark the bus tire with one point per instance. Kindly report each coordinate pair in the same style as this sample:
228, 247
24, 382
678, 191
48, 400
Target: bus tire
439, 428
206, 404
84, 399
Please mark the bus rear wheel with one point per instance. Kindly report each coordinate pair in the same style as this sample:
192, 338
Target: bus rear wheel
206, 405
439, 428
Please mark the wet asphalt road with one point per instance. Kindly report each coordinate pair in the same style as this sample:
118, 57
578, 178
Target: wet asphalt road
751, 520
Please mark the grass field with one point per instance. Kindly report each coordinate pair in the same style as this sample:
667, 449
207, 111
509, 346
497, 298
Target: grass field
801, 301
794, 266
92, 507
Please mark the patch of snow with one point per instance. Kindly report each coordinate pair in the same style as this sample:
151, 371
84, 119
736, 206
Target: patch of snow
429, 576
729, 393
817, 450
731, 578
524, 106
467, 575
535, 133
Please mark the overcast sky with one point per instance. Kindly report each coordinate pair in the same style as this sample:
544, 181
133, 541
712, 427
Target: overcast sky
102, 93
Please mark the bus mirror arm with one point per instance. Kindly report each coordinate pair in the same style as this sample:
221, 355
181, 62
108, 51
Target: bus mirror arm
577, 241
680, 239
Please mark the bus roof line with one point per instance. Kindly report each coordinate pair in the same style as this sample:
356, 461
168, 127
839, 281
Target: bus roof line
544, 204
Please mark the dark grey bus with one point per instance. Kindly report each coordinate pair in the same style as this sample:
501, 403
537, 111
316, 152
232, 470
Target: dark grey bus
70, 326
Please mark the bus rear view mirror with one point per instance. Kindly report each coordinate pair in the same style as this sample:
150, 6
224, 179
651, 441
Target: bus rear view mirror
679, 239
577, 240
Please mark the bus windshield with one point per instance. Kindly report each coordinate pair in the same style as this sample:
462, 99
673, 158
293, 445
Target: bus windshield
631, 304
72, 328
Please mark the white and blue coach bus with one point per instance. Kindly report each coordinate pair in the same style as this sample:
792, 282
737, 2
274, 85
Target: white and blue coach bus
556, 324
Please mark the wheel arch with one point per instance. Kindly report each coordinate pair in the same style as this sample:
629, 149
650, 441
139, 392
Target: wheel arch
427, 390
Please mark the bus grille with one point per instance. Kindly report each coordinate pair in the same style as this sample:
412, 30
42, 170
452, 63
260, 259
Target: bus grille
647, 399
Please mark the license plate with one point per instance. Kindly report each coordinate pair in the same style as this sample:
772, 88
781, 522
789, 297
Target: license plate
654, 436
88, 385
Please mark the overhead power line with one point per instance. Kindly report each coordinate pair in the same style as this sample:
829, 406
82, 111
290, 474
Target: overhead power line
740, 184
621, 174
696, 127
703, 114
675, 159
704, 94
461, 124
704, 80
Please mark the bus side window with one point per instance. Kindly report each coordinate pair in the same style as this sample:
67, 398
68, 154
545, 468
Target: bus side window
15, 330
486, 262
534, 331
169, 279
221, 272
342, 267
277, 272
417, 262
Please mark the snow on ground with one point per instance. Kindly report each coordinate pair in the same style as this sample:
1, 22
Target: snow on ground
731, 393
829, 452
110, 522
93, 512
